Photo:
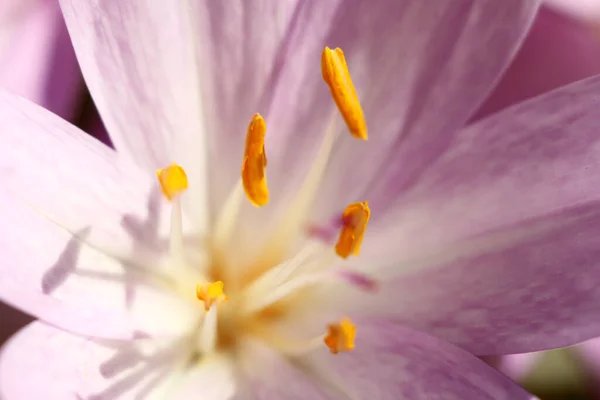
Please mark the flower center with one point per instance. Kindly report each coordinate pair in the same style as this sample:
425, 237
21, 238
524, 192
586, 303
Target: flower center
260, 301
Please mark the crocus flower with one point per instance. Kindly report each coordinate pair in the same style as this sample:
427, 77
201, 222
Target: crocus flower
37, 60
173, 284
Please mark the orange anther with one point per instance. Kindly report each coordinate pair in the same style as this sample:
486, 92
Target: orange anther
255, 162
173, 180
336, 75
340, 337
211, 293
354, 223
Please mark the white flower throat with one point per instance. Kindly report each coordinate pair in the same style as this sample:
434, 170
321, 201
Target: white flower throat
276, 286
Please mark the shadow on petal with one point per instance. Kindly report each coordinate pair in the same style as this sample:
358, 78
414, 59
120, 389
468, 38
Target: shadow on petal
66, 263
142, 373
145, 231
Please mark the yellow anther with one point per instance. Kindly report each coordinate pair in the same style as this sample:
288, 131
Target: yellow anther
340, 337
255, 162
354, 223
336, 75
173, 180
210, 294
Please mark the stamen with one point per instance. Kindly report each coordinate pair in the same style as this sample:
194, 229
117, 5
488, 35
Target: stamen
255, 162
340, 337
173, 180
207, 341
257, 303
279, 274
336, 75
176, 233
354, 220
289, 346
210, 294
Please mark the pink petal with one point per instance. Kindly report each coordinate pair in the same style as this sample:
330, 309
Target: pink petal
582, 9
510, 216
419, 72
36, 56
266, 58
138, 61
46, 363
214, 379
271, 376
68, 177
41, 362
243, 72
426, 71
558, 50
57, 365
519, 366
65, 196
388, 363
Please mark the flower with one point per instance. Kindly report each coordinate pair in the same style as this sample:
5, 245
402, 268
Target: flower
378, 250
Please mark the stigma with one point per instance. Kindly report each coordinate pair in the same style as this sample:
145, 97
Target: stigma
255, 162
354, 224
336, 75
211, 293
340, 337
